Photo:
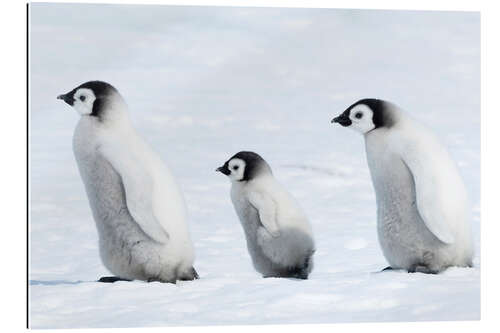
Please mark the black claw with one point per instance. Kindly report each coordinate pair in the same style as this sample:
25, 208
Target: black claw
388, 268
111, 279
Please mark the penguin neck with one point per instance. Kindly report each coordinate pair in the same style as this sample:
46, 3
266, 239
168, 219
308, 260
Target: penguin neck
116, 114
391, 117
264, 176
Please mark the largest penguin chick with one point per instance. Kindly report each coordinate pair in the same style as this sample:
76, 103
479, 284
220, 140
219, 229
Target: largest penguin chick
136, 203
422, 209
279, 236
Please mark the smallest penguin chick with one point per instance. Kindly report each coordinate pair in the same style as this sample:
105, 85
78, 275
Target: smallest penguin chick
279, 236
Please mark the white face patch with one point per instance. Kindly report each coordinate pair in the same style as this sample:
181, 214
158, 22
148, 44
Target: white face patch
237, 168
83, 101
362, 118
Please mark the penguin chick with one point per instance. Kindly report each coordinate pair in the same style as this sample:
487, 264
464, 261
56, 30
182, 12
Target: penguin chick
422, 207
136, 203
279, 236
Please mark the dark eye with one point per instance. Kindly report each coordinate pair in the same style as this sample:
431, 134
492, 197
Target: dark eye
235, 167
358, 115
82, 98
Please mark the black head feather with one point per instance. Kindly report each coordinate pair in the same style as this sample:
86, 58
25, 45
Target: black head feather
254, 164
380, 109
102, 91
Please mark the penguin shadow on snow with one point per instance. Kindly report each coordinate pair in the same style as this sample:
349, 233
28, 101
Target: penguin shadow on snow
104, 279
108, 279
55, 282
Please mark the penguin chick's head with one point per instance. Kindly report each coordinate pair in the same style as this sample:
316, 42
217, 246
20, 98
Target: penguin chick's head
365, 115
244, 166
90, 98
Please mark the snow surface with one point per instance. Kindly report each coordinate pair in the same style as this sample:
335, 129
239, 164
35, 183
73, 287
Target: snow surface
203, 83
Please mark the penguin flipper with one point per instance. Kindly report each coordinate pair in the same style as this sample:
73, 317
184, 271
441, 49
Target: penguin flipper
266, 208
138, 185
434, 200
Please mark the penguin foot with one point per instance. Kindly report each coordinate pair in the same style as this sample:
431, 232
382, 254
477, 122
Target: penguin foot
302, 272
193, 275
111, 279
422, 269
388, 268
287, 276
297, 273
301, 275
156, 279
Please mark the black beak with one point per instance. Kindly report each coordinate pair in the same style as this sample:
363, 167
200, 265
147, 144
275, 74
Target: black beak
343, 120
68, 98
224, 170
